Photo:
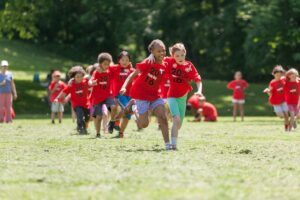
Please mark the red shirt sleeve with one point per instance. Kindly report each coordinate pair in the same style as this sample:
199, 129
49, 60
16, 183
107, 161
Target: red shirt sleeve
141, 66
231, 85
246, 84
193, 74
51, 86
67, 90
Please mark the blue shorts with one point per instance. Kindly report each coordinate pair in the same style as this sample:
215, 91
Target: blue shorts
123, 102
143, 106
281, 108
98, 109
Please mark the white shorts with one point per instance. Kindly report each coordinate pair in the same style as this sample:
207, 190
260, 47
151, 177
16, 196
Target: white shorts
281, 108
238, 101
57, 107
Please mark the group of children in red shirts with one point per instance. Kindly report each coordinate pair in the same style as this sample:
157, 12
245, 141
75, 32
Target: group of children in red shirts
156, 85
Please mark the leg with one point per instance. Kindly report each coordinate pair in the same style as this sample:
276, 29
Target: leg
241, 107
292, 120
98, 118
235, 107
80, 120
7, 106
159, 112
59, 115
52, 117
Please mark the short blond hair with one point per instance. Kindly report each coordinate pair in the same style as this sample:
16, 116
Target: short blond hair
177, 47
291, 71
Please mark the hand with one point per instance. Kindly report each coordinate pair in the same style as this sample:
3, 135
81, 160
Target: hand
198, 94
55, 100
94, 82
3, 83
267, 90
122, 91
15, 97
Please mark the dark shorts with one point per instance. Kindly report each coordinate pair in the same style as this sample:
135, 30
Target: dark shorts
110, 101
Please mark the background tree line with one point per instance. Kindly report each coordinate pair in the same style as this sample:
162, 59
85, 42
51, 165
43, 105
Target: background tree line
221, 36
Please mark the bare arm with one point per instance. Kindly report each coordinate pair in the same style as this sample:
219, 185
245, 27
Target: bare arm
199, 86
129, 80
61, 94
14, 90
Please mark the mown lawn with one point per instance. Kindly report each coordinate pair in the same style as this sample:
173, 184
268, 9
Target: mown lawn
223, 160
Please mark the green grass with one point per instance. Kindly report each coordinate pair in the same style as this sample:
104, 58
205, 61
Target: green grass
26, 58
223, 160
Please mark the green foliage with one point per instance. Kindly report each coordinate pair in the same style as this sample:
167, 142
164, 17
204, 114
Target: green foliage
221, 36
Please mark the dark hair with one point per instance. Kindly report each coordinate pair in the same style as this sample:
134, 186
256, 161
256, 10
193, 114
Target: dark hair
122, 54
76, 70
90, 69
154, 43
103, 57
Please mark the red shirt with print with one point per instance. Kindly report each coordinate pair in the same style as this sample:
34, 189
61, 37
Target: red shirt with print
119, 75
146, 85
60, 87
277, 92
79, 93
194, 101
292, 92
209, 110
102, 90
238, 87
164, 88
180, 76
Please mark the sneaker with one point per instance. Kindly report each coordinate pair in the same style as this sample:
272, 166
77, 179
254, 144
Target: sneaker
111, 126
117, 125
53, 122
168, 147
120, 135
98, 135
174, 147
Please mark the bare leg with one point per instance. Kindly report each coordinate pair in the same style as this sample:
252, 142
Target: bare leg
59, 115
235, 107
52, 117
124, 124
241, 107
97, 123
160, 113
286, 118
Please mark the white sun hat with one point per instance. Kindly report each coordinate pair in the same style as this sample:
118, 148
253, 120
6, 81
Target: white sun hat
4, 63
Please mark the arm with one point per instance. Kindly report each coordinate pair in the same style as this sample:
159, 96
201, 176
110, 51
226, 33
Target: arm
14, 90
61, 94
129, 80
199, 86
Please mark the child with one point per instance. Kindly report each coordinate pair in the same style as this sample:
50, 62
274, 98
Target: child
181, 73
193, 105
79, 97
7, 93
276, 95
292, 92
145, 90
207, 110
55, 88
238, 100
120, 73
101, 92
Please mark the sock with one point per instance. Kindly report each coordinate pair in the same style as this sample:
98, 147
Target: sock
174, 140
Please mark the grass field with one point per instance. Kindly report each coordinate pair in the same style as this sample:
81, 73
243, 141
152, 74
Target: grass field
223, 160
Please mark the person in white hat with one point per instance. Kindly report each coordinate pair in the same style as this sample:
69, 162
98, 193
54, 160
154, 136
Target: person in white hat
7, 92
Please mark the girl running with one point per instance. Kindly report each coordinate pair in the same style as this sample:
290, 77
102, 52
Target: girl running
120, 73
181, 73
145, 89
276, 95
292, 92
238, 100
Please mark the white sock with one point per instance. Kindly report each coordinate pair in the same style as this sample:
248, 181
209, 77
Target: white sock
174, 140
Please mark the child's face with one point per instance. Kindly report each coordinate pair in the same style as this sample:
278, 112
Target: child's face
105, 64
201, 102
159, 53
78, 77
278, 75
238, 76
292, 77
124, 61
179, 56
56, 78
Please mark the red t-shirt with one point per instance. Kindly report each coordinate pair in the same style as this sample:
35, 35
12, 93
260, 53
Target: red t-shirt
61, 86
164, 88
194, 101
238, 87
79, 93
277, 92
102, 90
180, 76
119, 75
209, 110
146, 85
292, 92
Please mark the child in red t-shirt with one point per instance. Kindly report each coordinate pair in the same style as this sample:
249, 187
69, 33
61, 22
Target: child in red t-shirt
292, 92
207, 110
181, 72
101, 93
145, 89
78, 89
55, 87
276, 95
238, 85
120, 73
